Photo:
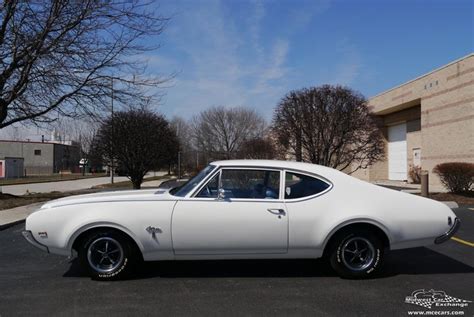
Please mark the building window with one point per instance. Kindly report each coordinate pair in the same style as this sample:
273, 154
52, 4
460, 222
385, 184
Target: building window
38, 152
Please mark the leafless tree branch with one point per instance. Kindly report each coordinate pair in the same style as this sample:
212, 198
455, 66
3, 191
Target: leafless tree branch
328, 125
60, 57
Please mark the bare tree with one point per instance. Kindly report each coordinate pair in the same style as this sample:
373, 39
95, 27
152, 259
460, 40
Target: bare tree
257, 148
190, 158
328, 125
65, 57
80, 131
220, 132
183, 131
138, 141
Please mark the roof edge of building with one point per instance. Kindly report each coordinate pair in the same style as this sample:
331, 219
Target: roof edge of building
40, 142
424, 75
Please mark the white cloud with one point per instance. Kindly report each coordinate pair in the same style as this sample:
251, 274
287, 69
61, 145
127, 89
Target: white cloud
255, 26
229, 58
350, 67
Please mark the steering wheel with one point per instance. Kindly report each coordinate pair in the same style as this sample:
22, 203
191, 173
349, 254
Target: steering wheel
208, 191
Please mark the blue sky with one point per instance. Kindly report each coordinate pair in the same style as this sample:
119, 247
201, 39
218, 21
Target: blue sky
251, 53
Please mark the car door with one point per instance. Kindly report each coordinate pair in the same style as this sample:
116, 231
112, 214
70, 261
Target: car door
249, 217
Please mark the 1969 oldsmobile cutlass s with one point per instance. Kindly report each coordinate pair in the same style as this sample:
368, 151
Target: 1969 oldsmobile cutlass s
242, 209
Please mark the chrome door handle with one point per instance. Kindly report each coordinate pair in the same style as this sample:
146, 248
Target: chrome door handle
276, 211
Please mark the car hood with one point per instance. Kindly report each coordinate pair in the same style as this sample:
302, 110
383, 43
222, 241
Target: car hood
114, 196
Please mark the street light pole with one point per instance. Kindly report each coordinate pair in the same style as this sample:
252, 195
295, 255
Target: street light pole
112, 126
179, 153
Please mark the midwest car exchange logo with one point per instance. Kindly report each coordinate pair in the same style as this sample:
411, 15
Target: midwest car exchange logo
435, 299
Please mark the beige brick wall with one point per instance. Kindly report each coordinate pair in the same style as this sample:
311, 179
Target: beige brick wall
446, 98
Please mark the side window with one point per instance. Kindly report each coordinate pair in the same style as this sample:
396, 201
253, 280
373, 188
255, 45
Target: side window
257, 184
210, 189
298, 185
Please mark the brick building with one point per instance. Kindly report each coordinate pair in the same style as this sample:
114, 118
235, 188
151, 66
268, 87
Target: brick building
427, 121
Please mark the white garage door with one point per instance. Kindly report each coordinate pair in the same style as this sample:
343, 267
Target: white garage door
397, 152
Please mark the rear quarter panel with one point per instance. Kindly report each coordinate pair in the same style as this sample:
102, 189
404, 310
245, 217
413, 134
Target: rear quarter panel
407, 220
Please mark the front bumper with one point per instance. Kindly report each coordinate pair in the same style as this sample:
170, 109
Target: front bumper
29, 237
448, 234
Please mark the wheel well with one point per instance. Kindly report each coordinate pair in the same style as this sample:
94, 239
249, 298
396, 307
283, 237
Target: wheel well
80, 239
358, 226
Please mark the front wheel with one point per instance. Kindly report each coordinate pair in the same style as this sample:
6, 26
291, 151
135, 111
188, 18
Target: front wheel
107, 255
357, 254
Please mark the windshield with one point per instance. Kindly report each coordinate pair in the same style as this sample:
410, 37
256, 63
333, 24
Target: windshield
186, 188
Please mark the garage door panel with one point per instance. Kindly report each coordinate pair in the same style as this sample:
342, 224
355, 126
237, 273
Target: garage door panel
397, 152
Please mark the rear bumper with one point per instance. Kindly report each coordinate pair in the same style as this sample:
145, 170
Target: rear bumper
29, 237
448, 234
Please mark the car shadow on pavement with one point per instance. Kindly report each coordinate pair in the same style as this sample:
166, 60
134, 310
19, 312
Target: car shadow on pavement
410, 261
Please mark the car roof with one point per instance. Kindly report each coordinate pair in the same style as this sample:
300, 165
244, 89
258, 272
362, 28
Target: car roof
314, 168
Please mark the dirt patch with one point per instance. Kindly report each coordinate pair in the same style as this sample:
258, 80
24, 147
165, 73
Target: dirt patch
48, 179
8, 201
128, 184
461, 199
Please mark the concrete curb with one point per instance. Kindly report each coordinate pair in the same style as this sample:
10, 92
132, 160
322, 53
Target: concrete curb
13, 216
11, 224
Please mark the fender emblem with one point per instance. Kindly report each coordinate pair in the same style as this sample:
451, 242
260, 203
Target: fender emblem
153, 230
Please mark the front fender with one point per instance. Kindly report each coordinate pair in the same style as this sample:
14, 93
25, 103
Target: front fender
78, 231
64, 224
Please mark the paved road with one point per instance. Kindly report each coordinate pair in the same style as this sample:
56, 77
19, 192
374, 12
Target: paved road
35, 283
63, 186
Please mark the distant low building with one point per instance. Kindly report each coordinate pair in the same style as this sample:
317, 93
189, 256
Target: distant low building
43, 158
11, 167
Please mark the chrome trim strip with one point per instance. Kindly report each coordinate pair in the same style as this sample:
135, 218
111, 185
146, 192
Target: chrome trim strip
282, 171
448, 234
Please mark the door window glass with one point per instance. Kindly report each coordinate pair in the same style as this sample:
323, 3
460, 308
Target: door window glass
192, 183
299, 185
210, 189
257, 184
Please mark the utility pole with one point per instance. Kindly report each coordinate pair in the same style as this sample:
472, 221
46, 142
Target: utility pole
179, 165
197, 160
112, 123
179, 153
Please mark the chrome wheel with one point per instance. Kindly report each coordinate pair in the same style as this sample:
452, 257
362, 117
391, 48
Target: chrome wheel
105, 254
358, 253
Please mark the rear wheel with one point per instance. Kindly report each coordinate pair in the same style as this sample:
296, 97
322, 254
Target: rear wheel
356, 254
107, 255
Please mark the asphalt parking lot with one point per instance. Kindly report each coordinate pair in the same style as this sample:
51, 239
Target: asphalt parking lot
36, 283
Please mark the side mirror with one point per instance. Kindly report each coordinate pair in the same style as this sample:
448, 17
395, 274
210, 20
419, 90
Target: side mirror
221, 194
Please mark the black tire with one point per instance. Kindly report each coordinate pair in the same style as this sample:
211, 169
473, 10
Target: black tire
120, 256
356, 254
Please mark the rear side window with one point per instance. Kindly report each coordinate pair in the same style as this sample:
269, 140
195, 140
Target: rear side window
299, 185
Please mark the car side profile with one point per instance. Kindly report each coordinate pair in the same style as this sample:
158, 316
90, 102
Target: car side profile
242, 209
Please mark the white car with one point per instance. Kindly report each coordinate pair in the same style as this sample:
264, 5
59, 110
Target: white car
242, 209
